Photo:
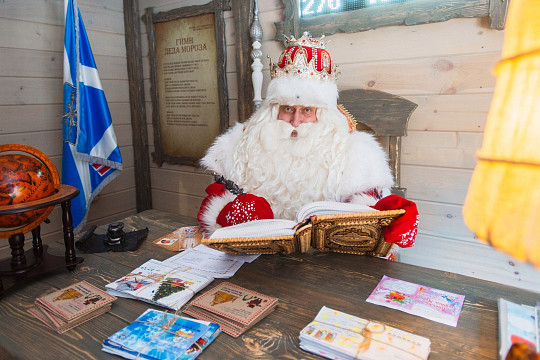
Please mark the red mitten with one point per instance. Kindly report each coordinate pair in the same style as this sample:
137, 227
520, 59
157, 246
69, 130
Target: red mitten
403, 230
244, 208
214, 189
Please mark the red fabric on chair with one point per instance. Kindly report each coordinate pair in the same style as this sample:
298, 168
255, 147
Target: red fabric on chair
244, 208
403, 230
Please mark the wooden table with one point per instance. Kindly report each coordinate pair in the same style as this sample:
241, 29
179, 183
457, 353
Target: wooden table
302, 282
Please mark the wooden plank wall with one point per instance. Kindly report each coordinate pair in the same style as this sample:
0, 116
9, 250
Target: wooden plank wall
446, 68
31, 71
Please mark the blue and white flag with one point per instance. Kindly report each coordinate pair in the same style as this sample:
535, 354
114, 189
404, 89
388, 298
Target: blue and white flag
91, 158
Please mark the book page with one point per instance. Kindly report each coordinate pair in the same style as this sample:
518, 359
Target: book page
256, 229
329, 208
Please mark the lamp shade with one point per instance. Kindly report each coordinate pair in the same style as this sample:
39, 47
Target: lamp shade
503, 203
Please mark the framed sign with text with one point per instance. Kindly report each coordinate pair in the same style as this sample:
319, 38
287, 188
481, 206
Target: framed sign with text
326, 17
187, 72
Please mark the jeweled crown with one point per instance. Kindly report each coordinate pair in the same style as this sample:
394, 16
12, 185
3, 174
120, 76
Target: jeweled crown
306, 57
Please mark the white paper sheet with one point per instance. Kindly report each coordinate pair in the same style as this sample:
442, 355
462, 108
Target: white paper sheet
214, 263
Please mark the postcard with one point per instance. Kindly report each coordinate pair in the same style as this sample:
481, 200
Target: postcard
235, 308
186, 237
518, 323
160, 284
159, 335
337, 335
433, 304
74, 301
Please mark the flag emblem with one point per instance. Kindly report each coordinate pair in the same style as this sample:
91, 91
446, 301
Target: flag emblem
101, 169
70, 116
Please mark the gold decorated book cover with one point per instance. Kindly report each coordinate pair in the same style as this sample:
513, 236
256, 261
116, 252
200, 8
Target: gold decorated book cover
323, 225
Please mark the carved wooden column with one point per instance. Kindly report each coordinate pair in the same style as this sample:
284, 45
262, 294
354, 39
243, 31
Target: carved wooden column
256, 54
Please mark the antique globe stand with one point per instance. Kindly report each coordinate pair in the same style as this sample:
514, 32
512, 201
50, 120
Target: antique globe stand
25, 265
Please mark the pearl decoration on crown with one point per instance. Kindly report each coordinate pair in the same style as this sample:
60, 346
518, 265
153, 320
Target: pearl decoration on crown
305, 57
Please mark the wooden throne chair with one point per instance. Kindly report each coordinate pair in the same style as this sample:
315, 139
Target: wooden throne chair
386, 116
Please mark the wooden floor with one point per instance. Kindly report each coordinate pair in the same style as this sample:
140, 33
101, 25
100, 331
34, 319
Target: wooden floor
302, 282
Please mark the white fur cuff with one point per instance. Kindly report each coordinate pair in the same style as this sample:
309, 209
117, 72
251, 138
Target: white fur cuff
212, 210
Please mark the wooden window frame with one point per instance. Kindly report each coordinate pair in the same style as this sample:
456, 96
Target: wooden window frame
415, 12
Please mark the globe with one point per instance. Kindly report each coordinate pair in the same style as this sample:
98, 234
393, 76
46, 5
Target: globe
23, 178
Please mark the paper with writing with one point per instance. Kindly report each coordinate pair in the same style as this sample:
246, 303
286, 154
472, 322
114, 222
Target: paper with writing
217, 265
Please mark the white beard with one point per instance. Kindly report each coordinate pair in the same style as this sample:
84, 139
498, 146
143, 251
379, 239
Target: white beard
289, 171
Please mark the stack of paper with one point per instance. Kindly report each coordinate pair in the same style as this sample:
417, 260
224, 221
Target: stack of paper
160, 284
518, 324
66, 308
337, 335
234, 308
157, 335
210, 261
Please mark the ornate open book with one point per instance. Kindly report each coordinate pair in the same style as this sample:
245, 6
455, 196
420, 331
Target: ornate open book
323, 225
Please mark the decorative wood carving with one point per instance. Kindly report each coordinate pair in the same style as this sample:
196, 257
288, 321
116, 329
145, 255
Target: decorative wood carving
256, 54
408, 13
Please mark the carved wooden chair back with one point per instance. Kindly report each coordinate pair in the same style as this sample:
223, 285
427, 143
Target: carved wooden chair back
386, 116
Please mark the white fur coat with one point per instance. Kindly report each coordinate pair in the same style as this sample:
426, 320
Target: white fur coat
358, 166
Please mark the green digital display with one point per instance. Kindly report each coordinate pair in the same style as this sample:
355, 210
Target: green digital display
310, 8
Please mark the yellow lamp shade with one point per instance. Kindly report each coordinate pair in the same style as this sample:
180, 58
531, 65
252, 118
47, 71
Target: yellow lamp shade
503, 203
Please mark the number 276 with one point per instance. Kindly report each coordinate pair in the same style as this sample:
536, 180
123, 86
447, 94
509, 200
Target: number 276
309, 7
